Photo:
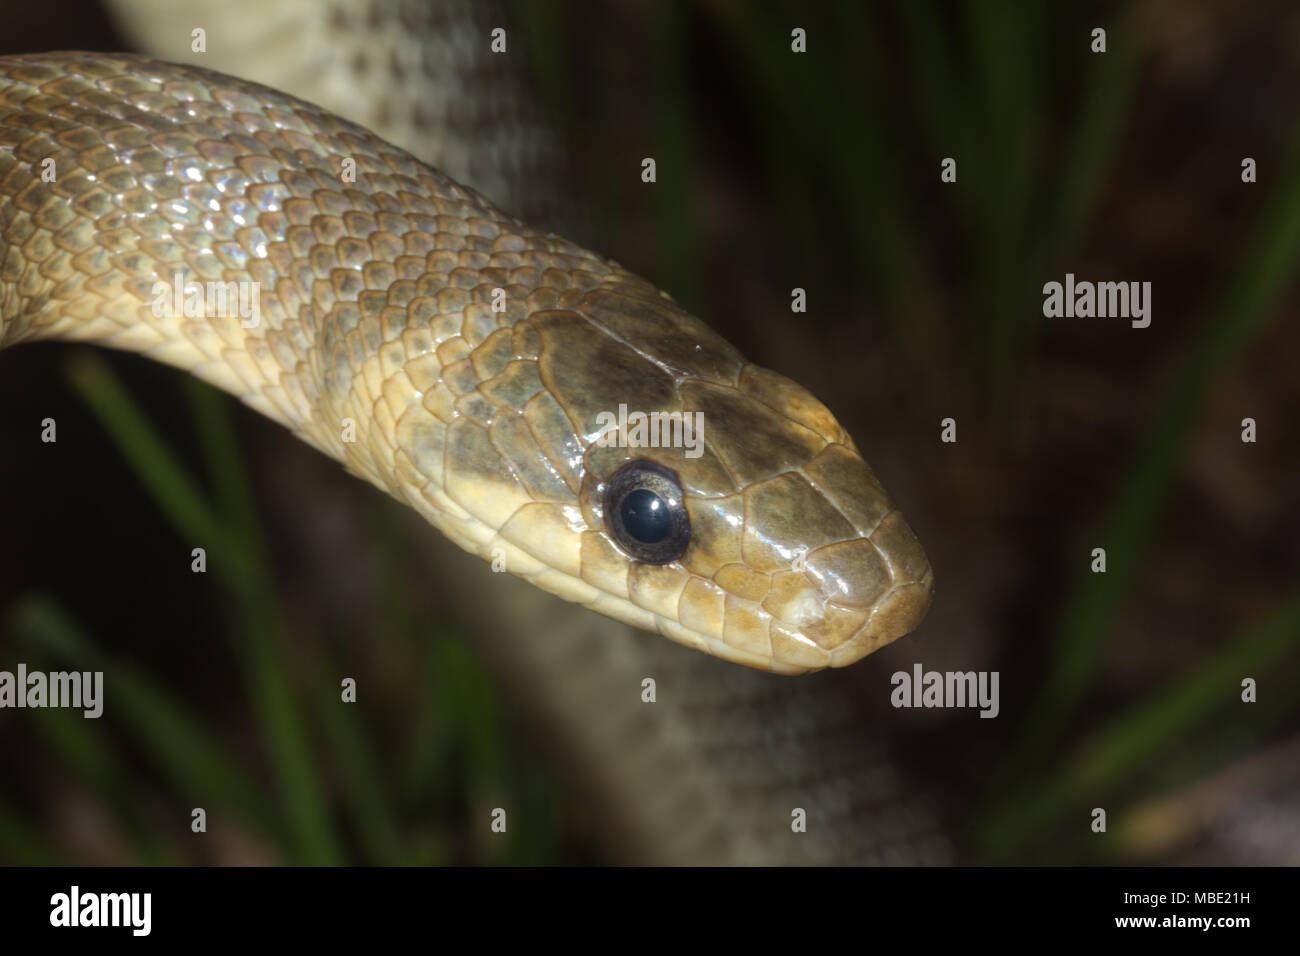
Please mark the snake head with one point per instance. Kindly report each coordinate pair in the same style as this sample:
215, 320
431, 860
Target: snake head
759, 534
751, 529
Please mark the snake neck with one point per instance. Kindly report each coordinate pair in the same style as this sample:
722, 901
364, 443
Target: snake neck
271, 249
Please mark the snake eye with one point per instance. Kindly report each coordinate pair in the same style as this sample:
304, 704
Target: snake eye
645, 513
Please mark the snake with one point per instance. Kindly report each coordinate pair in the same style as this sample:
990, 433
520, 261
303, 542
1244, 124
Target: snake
449, 354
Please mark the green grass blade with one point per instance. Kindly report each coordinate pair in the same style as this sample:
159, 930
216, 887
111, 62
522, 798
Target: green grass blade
177, 495
361, 777
237, 555
801, 100
677, 250
229, 477
264, 649
195, 761
1005, 52
1267, 268
1095, 135
944, 107
1115, 753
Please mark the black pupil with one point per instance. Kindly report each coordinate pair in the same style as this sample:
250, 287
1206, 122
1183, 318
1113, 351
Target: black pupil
645, 516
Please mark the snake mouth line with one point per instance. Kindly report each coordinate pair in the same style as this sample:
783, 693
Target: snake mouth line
895, 616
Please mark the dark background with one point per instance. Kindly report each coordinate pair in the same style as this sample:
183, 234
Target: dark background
819, 171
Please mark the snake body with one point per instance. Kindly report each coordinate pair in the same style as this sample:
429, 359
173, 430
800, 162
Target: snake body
442, 350
446, 352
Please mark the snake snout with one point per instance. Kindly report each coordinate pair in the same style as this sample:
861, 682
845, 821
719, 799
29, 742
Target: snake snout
901, 606
847, 599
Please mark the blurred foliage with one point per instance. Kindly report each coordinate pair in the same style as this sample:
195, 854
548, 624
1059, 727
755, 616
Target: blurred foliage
906, 82
343, 791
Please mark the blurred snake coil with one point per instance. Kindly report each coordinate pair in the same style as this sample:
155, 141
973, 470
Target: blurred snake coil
447, 353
